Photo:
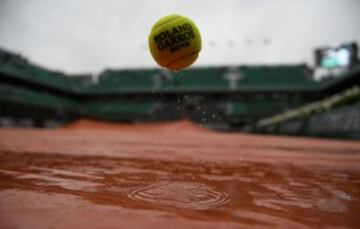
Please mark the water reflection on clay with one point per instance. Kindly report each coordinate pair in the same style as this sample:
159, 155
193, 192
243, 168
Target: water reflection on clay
250, 193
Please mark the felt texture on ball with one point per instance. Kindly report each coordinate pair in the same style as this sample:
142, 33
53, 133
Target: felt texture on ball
175, 42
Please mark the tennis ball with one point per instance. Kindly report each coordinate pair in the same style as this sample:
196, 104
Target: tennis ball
174, 42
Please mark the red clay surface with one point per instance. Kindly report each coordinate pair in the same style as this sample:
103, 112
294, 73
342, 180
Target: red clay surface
97, 175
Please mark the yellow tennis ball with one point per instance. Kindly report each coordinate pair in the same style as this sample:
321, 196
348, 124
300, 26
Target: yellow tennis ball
174, 42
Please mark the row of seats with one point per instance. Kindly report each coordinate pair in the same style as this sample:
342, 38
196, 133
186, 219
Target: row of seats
207, 79
240, 78
123, 110
19, 95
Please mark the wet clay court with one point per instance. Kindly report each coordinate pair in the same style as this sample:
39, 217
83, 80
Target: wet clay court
174, 175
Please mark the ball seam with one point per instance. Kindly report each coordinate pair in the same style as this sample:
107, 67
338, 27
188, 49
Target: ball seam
181, 57
165, 22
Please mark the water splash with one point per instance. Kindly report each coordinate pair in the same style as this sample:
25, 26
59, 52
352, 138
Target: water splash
181, 194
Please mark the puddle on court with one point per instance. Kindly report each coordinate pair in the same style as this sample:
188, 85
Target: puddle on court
248, 193
181, 194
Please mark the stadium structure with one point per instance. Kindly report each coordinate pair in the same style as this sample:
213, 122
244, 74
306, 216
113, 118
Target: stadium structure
282, 99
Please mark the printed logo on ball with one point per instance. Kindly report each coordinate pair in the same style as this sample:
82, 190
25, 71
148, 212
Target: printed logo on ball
176, 38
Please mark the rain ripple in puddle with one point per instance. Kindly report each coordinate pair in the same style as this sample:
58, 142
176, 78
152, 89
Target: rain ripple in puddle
181, 194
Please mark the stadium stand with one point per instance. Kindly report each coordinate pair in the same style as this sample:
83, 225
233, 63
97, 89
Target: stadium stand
237, 95
123, 81
316, 107
16, 68
246, 79
21, 103
119, 110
